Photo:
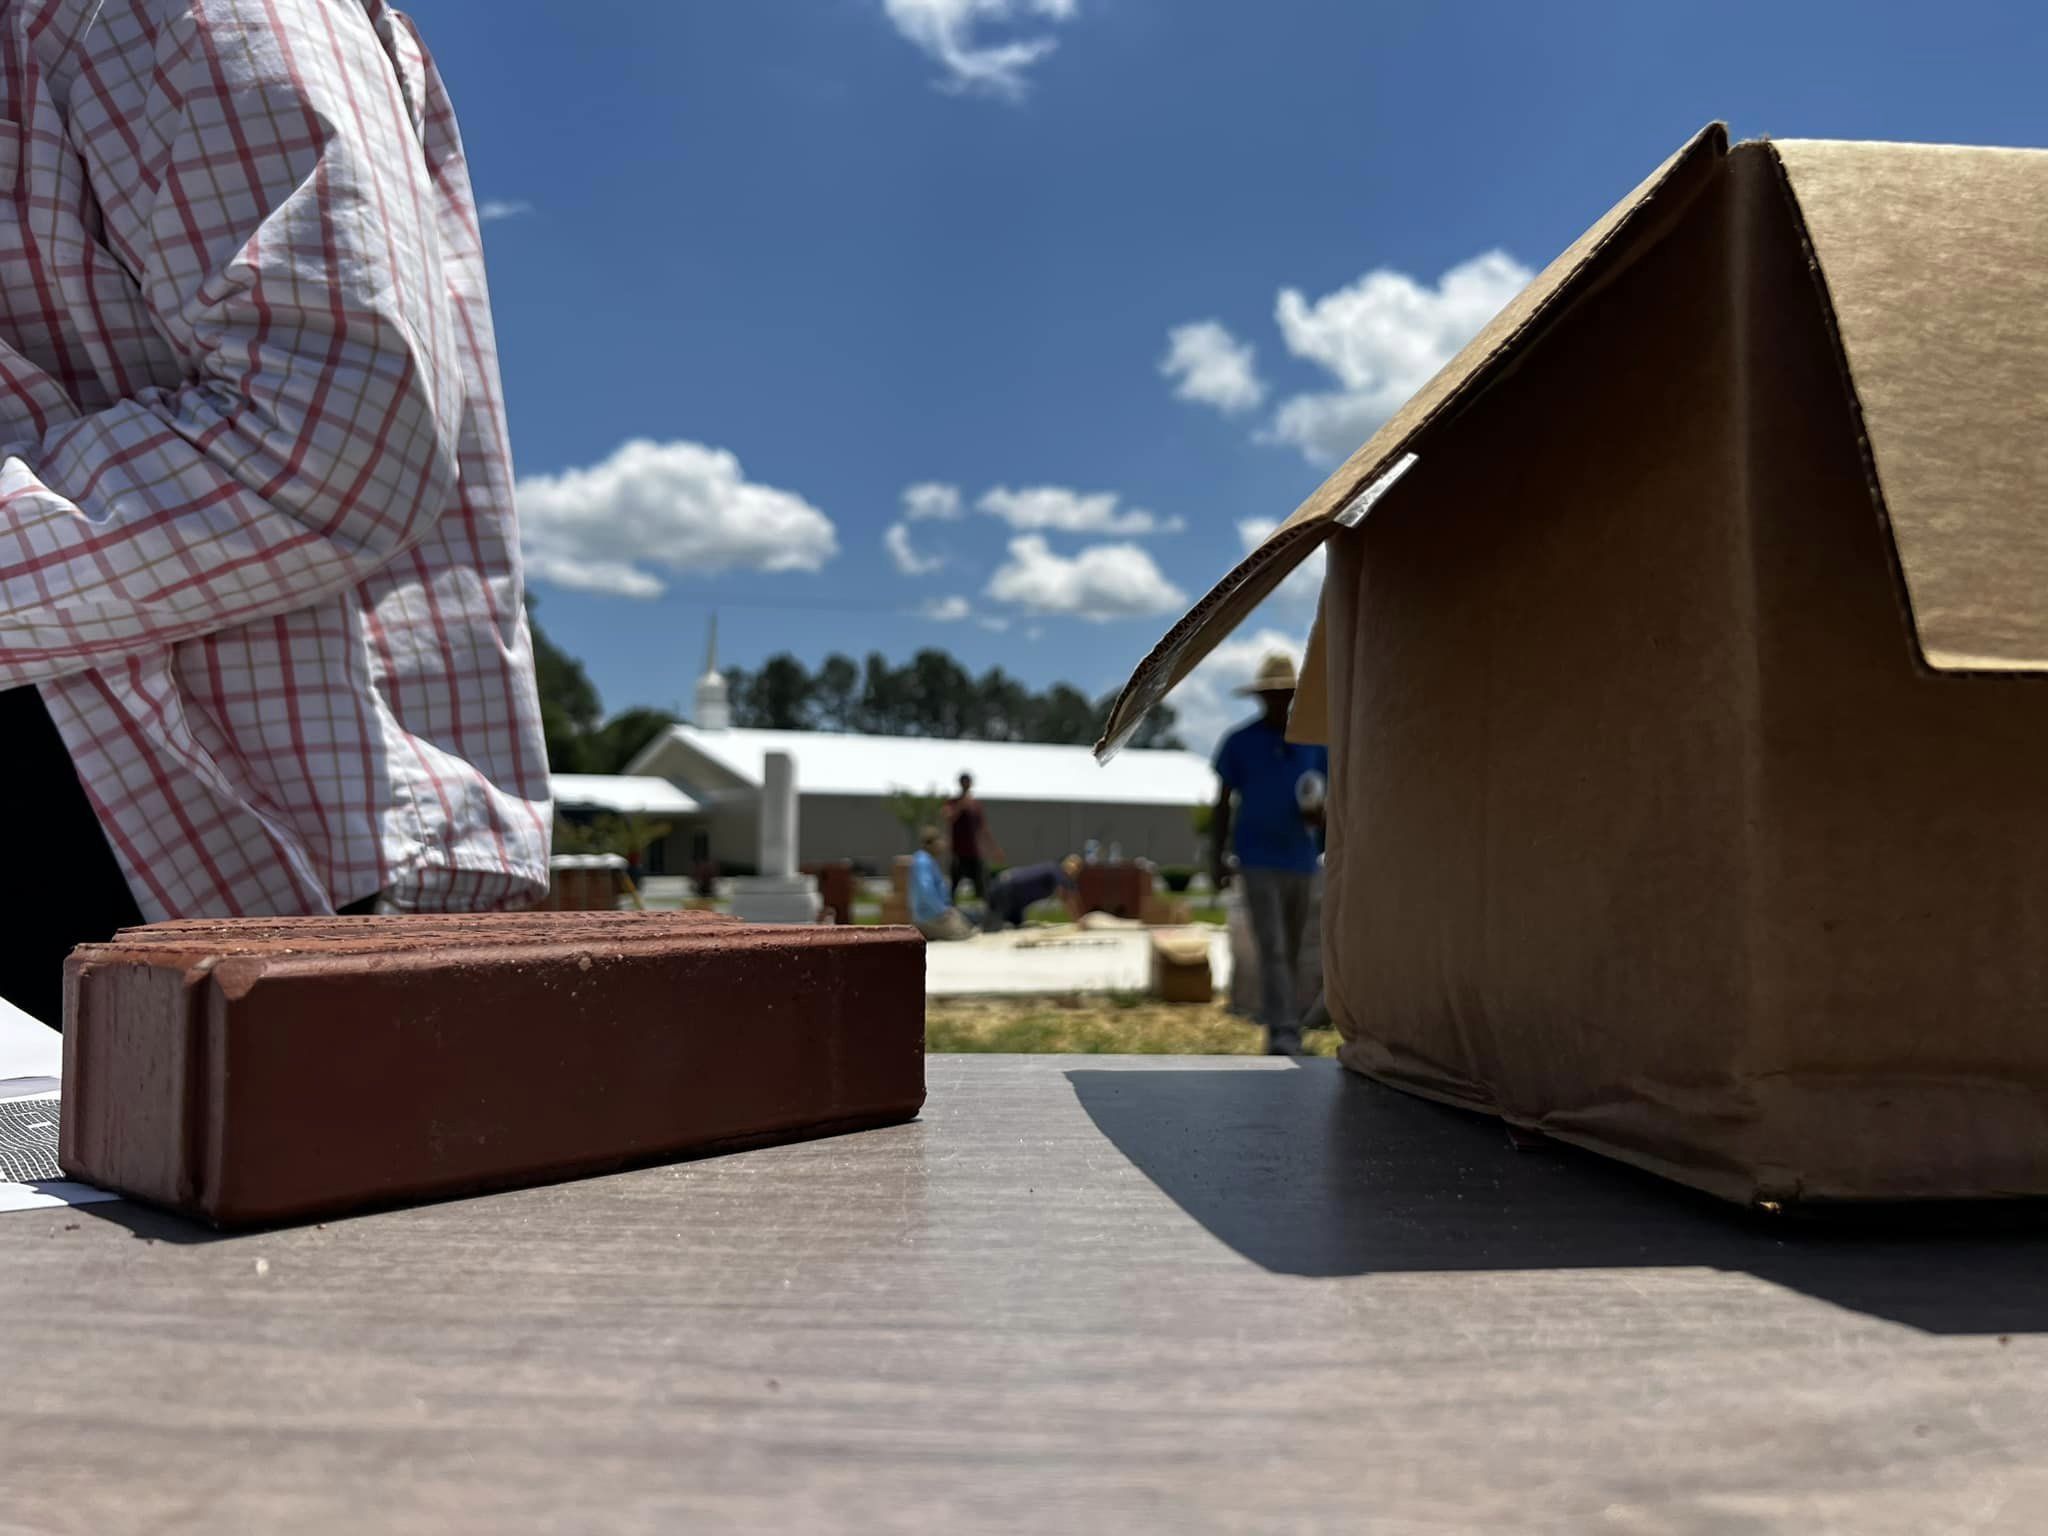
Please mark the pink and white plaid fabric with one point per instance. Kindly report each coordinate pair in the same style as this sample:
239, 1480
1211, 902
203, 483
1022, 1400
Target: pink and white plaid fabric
257, 546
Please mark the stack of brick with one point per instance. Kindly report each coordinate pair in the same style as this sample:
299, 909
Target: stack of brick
896, 905
835, 890
1122, 890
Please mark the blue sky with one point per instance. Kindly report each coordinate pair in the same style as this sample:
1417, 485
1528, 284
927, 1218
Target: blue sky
809, 254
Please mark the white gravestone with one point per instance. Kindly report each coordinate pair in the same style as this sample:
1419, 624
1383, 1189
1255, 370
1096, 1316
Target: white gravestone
778, 894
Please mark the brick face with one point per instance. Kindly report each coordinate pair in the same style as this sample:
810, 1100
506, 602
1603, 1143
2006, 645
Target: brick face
268, 1071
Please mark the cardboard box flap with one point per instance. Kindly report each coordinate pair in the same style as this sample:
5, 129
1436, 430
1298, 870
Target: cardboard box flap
1309, 720
1371, 471
1935, 262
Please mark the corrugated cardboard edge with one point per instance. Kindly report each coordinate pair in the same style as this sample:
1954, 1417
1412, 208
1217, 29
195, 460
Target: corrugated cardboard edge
1931, 264
1255, 577
1368, 1058
1309, 720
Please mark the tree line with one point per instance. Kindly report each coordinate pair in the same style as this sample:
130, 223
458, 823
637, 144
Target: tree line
929, 695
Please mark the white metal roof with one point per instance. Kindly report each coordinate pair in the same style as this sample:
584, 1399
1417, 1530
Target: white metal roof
623, 794
588, 861
830, 763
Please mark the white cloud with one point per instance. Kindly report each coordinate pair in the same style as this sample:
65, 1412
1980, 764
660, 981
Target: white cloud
1304, 584
1205, 705
908, 561
995, 624
1054, 508
1382, 338
951, 32
1103, 581
1211, 366
932, 501
492, 209
675, 507
946, 610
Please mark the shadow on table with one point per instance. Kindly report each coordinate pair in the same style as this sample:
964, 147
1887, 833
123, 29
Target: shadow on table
1317, 1172
151, 1225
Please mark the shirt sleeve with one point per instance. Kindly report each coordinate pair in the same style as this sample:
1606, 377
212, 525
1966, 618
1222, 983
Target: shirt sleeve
293, 265
928, 898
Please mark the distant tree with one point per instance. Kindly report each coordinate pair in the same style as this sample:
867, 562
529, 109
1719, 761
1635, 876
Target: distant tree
835, 694
930, 695
628, 836
1063, 714
777, 698
941, 694
1155, 730
916, 811
1002, 708
569, 703
884, 698
623, 737
739, 684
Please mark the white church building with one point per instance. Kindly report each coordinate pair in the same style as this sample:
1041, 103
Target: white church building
1043, 802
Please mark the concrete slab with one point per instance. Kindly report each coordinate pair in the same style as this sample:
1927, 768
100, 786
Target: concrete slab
1049, 962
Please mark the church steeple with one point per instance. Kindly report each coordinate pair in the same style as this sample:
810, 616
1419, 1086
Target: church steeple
714, 711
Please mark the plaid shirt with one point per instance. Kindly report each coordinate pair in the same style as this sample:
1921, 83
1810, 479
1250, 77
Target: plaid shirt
257, 548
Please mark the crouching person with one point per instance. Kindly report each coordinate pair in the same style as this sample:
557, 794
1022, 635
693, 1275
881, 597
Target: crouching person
1016, 891
931, 898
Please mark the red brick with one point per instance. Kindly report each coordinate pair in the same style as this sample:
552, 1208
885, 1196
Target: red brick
276, 1069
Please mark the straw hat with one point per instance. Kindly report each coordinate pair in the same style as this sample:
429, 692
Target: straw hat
1276, 675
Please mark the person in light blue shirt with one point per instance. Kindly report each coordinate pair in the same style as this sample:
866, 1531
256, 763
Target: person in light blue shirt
931, 897
1269, 810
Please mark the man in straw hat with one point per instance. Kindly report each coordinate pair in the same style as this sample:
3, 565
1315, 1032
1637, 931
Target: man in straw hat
1269, 810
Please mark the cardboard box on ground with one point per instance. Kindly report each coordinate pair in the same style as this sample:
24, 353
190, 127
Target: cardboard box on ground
1685, 694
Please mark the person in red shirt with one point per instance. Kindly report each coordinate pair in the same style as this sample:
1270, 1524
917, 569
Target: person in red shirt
973, 842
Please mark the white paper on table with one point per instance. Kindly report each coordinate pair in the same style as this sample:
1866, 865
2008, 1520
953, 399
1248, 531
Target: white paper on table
31, 1065
46, 1194
39, 1113
28, 1047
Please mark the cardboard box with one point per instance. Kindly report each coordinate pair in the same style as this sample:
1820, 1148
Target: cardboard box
1180, 966
1681, 656
1166, 911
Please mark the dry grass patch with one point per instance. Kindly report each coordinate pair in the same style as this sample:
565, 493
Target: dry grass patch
1115, 1024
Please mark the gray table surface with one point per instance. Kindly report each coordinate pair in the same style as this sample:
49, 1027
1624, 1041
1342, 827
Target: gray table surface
1081, 1294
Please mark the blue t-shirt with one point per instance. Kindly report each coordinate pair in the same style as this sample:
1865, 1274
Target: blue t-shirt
1263, 767
930, 895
